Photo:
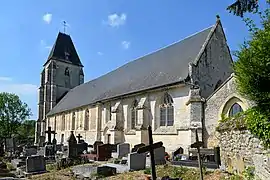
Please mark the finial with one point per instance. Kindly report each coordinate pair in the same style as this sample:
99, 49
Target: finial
218, 17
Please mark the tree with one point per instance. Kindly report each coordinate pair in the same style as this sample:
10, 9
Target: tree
12, 113
240, 7
27, 129
252, 68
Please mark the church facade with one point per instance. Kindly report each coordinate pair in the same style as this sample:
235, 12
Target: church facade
177, 89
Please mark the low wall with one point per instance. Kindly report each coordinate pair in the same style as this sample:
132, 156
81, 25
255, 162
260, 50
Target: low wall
240, 149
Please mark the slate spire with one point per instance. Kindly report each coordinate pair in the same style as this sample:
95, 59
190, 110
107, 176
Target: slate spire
64, 50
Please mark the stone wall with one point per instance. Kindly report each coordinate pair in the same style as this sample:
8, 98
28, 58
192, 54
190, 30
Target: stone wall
220, 103
240, 149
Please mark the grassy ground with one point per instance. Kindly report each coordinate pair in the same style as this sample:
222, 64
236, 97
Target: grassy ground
167, 170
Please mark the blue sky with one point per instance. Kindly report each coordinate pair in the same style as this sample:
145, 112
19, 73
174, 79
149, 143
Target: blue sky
106, 33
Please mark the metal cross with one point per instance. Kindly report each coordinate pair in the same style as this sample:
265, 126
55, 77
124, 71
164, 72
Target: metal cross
150, 148
64, 25
197, 145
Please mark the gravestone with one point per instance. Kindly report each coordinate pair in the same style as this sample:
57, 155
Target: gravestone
2, 150
35, 164
49, 151
136, 161
72, 146
96, 144
9, 144
106, 171
159, 154
137, 146
122, 150
29, 151
179, 150
104, 152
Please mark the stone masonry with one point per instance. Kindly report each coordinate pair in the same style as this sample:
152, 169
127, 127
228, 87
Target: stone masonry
240, 149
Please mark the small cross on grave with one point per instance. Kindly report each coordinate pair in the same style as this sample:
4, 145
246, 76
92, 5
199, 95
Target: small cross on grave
49, 132
150, 148
197, 145
79, 138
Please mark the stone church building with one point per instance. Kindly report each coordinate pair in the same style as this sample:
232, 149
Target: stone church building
176, 89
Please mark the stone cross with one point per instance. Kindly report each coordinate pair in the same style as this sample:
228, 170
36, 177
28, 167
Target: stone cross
150, 148
197, 145
79, 138
49, 132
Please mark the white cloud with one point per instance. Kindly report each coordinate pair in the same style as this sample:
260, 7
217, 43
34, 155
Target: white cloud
8, 85
100, 53
47, 18
125, 44
115, 20
2, 78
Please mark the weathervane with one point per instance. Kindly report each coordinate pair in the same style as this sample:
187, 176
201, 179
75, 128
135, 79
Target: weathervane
64, 25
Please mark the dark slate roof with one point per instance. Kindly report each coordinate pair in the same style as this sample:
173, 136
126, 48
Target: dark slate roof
62, 48
165, 66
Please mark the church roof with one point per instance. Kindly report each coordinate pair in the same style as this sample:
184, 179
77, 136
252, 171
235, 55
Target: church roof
64, 50
166, 66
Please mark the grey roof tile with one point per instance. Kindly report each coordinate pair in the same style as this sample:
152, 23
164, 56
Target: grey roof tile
165, 66
62, 45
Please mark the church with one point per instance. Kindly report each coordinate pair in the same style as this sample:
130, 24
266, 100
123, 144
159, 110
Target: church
184, 86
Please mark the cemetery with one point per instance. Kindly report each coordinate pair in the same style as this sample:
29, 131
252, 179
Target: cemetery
98, 160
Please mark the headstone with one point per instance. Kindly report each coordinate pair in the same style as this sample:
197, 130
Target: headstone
10, 144
106, 171
96, 144
123, 149
137, 146
54, 141
103, 152
179, 150
35, 164
49, 151
2, 151
136, 161
72, 146
29, 151
159, 154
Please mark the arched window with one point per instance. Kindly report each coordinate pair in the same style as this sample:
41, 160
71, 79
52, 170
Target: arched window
63, 123
166, 111
73, 121
134, 114
86, 120
236, 108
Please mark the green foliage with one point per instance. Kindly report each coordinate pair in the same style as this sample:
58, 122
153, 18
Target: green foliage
147, 171
239, 7
252, 68
12, 113
257, 121
249, 173
26, 131
232, 123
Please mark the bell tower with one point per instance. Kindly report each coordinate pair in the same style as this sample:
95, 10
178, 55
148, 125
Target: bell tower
61, 72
